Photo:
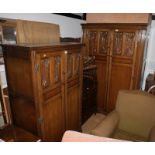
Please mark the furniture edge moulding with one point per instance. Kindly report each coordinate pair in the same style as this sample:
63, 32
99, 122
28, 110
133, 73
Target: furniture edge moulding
113, 25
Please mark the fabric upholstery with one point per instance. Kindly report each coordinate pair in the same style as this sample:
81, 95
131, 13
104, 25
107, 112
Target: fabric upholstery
120, 134
137, 112
73, 136
92, 122
107, 127
152, 135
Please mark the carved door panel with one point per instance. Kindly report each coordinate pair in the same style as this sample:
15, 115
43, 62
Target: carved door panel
73, 87
123, 43
92, 42
104, 42
102, 63
50, 71
52, 92
121, 65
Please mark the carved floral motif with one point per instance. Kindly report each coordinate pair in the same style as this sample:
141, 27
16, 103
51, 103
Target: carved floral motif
117, 43
129, 43
57, 69
103, 45
92, 42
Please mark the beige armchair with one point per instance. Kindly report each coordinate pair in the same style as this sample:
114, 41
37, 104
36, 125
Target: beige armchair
133, 118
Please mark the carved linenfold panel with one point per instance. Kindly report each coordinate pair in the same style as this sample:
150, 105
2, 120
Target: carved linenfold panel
69, 65
45, 72
129, 44
92, 42
57, 68
103, 42
117, 43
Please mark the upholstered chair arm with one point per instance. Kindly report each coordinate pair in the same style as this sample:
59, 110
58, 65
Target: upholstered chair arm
152, 134
107, 127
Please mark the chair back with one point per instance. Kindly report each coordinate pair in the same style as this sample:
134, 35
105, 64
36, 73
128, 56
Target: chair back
137, 112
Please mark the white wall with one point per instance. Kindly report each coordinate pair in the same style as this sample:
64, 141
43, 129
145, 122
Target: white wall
150, 60
69, 27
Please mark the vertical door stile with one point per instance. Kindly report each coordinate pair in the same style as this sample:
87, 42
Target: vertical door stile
109, 66
81, 85
65, 85
134, 61
37, 90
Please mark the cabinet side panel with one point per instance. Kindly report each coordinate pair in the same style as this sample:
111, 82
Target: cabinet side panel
19, 79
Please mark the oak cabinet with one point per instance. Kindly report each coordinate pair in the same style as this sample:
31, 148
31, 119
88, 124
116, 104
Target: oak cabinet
44, 83
118, 50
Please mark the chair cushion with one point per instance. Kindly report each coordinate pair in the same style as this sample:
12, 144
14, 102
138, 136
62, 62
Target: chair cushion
123, 135
107, 127
92, 122
137, 112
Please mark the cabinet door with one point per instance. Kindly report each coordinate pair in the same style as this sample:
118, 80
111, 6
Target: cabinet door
52, 93
73, 90
102, 61
92, 41
121, 65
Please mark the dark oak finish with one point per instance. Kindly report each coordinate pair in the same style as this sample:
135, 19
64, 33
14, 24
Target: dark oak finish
44, 84
73, 86
16, 134
118, 49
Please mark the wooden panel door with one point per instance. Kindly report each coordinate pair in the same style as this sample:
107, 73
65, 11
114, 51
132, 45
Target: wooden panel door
121, 65
52, 91
102, 62
92, 41
73, 90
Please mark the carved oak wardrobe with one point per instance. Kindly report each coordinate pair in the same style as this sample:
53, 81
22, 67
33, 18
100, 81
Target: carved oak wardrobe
118, 51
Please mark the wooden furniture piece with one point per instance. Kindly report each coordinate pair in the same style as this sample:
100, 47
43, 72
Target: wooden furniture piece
37, 32
69, 39
5, 113
23, 31
44, 83
118, 50
16, 134
89, 94
7, 33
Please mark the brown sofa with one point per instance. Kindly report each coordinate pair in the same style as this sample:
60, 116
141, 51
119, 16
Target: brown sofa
133, 118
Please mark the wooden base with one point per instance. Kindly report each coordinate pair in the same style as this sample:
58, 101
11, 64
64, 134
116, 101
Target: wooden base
15, 134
